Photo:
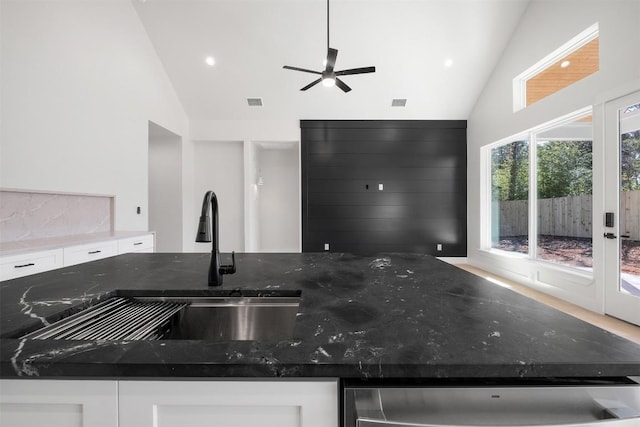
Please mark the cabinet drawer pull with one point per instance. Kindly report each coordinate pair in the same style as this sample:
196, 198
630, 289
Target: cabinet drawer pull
94, 252
24, 265
137, 243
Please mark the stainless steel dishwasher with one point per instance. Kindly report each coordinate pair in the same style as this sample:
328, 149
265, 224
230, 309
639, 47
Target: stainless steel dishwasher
594, 404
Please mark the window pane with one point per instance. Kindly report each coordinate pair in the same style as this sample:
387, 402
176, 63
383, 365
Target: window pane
509, 196
630, 200
564, 194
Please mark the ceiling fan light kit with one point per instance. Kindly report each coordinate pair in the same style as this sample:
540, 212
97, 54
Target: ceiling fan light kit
329, 77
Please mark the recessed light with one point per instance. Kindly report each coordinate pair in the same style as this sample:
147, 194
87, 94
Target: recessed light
448, 62
210, 61
565, 64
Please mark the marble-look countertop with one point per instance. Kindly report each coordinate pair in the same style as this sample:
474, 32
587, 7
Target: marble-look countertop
386, 316
26, 246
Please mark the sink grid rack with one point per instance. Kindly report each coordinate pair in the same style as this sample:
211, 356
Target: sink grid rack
114, 319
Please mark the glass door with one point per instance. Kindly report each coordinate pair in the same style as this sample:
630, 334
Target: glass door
622, 203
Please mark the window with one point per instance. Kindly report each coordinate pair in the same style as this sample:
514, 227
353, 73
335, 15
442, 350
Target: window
564, 203
510, 196
540, 193
575, 60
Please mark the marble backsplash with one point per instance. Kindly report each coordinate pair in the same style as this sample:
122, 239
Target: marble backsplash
26, 215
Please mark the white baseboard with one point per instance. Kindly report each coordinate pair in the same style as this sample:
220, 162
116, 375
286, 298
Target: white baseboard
453, 259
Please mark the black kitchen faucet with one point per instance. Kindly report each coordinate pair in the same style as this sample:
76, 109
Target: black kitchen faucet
206, 228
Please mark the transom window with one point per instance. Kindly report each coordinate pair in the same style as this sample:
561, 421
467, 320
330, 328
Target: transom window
573, 61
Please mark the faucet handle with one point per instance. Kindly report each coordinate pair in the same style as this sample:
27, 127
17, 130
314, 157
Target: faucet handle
229, 269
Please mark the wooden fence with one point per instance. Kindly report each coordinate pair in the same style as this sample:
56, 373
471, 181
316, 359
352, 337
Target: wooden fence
567, 216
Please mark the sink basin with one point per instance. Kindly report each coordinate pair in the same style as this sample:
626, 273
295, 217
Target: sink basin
181, 316
232, 318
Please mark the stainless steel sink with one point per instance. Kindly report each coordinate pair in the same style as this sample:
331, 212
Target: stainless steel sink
180, 317
232, 318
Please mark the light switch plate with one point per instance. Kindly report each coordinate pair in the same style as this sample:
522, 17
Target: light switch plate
380, 187
326, 246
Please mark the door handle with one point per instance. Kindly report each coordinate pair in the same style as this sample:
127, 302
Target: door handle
610, 236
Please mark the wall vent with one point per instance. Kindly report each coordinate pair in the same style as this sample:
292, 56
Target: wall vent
399, 102
254, 102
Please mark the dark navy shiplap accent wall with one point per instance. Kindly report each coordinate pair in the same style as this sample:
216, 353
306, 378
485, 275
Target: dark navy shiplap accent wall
422, 165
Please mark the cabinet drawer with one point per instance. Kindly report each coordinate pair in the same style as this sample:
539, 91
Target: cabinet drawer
15, 266
136, 244
90, 252
59, 403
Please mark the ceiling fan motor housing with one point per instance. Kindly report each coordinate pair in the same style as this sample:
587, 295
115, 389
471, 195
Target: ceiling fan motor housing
328, 75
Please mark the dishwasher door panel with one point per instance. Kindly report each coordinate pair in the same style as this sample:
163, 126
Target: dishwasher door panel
593, 406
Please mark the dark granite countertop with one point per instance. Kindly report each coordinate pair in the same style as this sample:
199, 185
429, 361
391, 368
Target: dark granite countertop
387, 316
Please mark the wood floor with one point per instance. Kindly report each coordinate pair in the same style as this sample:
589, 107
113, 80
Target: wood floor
611, 324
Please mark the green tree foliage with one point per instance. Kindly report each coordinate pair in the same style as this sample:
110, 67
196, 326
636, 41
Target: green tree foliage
510, 171
564, 168
630, 161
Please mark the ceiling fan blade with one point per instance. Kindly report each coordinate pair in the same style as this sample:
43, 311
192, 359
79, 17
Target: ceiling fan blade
287, 67
342, 85
362, 70
332, 54
313, 83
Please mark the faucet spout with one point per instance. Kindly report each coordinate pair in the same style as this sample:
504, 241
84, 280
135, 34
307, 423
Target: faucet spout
208, 232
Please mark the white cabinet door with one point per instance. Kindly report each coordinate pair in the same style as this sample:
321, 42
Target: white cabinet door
229, 403
89, 252
136, 244
12, 267
55, 403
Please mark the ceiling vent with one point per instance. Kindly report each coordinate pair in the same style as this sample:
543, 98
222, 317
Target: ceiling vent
399, 102
254, 102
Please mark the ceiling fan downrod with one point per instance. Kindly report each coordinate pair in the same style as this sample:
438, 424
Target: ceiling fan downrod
328, 44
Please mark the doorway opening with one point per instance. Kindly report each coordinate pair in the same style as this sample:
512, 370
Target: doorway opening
272, 196
165, 188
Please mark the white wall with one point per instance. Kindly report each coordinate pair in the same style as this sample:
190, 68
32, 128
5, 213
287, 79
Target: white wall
218, 166
245, 130
165, 189
545, 26
251, 214
79, 83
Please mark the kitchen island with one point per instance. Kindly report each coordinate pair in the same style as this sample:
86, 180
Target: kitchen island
389, 319
385, 316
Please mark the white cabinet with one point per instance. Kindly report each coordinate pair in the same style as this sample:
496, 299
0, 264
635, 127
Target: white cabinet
58, 403
89, 252
12, 267
229, 403
136, 244
195, 403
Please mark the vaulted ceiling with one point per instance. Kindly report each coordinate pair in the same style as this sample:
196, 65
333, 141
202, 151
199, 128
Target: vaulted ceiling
409, 43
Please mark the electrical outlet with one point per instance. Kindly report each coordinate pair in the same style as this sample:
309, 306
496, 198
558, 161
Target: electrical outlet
326, 246
439, 247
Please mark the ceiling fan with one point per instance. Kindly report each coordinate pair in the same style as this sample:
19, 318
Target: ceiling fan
329, 77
